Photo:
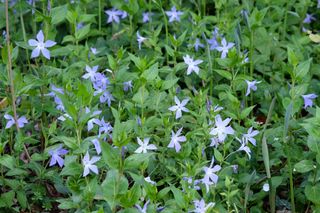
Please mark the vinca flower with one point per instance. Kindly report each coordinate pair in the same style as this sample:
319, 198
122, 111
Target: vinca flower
89, 164
308, 100
221, 129
97, 146
192, 65
140, 39
210, 177
56, 156
104, 127
144, 146
113, 15
309, 18
127, 85
244, 146
146, 17
224, 49
21, 121
250, 134
179, 107
251, 86
91, 73
198, 44
201, 207
144, 209
148, 179
174, 14
94, 50
41, 46
176, 139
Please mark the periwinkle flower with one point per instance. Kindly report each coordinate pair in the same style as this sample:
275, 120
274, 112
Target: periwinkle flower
308, 100
127, 85
309, 18
94, 50
106, 97
224, 48
174, 14
140, 39
221, 129
251, 85
146, 17
176, 139
91, 73
198, 44
20, 121
113, 15
201, 207
250, 134
96, 144
210, 177
104, 127
41, 46
56, 156
144, 209
89, 164
192, 65
145, 146
244, 146
148, 179
179, 107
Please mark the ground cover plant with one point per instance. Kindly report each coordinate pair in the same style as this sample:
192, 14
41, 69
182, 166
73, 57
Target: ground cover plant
159, 106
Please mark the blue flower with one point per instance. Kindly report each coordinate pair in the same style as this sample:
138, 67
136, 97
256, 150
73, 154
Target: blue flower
56, 156
41, 46
174, 14
88, 164
21, 121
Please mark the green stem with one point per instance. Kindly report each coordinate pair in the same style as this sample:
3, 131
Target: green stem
99, 15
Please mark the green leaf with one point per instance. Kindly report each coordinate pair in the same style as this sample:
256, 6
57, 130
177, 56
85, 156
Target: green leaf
167, 84
313, 193
7, 161
82, 33
218, 155
151, 73
246, 112
111, 156
22, 199
59, 14
141, 96
224, 73
71, 169
302, 69
6, 199
178, 196
134, 161
132, 196
114, 185
304, 166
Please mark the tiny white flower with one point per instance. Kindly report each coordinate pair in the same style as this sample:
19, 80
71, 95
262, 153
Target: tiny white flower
144, 146
179, 107
192, 65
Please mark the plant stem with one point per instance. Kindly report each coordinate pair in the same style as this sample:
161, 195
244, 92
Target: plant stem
10, 76
99, 15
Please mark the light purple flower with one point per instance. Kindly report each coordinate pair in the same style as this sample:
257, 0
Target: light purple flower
88, 164
21, 121
144, 146
56, 156
41, 46
91, 72
148, 179
210, 177
201, 207
192, 65
244, 146
221, 129
250, 134
127, 85
251, 85
308, 100
144, 209
213, 41
224, 49
318, 5
113, 15
106, 97
94, 50
97, 146
198, 44
140, 39
309, 18
174, 14
104, 127
179, 107
176, 139
146, 17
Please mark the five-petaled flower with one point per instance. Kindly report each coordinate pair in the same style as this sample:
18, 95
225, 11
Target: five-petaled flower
41, 46
56, 156
251, 85
144, 209
308, 100
224, 48
179, 107
201, 207
174, 14
146, 17
91, 73
140, 39
221, 128
244, 146
192, 65
176, 139
210, 177
250, 134
21, 121
88, 164
309, 18
113, 15
144, 146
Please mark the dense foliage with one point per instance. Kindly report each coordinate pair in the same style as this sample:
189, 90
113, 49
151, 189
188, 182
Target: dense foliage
159, 106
